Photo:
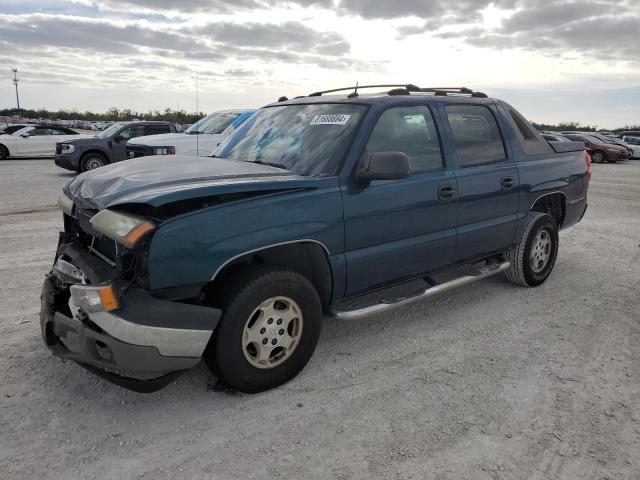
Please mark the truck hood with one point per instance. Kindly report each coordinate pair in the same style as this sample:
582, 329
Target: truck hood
170, 140
85, 141
161, 179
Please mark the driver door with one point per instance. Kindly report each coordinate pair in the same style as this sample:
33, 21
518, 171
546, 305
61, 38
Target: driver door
398, 229
119, 142
36, 143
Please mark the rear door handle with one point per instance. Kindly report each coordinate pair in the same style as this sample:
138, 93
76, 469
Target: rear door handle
446, 192
507, 183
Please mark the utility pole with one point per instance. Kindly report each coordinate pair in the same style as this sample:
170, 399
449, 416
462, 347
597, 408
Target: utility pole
15, 82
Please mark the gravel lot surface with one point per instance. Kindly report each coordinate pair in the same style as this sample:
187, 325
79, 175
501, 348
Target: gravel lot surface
491, 381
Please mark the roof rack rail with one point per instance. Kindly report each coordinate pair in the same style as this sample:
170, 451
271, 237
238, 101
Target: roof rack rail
400, 89
355, 88
444, 91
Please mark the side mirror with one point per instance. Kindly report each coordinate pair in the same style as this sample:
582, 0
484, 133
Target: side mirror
25, 135
385, 166
119, 139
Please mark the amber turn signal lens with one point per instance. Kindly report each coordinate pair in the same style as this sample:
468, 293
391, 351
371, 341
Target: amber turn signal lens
108, 298
138, 232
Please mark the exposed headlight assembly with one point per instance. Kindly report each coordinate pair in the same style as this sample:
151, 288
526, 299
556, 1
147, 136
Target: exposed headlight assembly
164, 151
67, 148
65, 204
123, 228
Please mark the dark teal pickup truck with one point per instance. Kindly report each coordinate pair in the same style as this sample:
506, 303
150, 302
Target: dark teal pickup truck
235, 258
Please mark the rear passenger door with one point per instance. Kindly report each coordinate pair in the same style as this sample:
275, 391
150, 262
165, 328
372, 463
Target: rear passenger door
487, 180
396, 229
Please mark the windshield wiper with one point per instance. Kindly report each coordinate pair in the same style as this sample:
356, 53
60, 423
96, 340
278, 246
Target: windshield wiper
271, 164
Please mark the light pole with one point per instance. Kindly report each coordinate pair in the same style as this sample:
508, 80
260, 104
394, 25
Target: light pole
15, 82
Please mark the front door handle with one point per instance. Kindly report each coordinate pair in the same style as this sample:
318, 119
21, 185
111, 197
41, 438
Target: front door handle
445, 192
507, 183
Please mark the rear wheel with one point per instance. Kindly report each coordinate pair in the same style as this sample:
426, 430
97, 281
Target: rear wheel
91, 161
533, 259
4, 152
597, 157
269, 329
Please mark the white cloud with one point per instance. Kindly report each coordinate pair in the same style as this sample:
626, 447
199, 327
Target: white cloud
93, 54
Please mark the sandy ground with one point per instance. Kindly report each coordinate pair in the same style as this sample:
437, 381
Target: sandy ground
491, 381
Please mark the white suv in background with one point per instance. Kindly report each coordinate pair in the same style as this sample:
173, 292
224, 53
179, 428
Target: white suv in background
200, 139
634, 144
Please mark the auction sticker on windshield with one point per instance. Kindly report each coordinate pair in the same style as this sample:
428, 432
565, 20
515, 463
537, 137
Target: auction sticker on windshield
330, 119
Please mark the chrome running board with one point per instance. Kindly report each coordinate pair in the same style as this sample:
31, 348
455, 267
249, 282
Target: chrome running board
386, 305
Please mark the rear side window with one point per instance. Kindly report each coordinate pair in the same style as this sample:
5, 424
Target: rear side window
156, 129
410, 130
530, 139
476, 135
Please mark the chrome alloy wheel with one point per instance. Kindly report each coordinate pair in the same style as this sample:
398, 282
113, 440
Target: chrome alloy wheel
272, 332
540, 251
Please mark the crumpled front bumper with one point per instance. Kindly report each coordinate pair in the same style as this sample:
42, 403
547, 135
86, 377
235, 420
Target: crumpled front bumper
142, 345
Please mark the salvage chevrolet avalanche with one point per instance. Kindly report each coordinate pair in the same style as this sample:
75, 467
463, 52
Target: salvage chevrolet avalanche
234, 258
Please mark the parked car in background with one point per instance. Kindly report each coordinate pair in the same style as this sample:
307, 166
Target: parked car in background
313, 201
106, 147
549, 137
38, 141
634, 144
9, 129
613, 140
609, 134
200, 139
600, 150
630, 133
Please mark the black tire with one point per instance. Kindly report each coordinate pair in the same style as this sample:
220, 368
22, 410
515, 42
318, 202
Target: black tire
4, 152
598, 157
91, 161
521, 271
226, 354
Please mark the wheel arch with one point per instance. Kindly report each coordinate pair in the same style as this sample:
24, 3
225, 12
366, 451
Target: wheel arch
552, 203
307, 257
2, 145
95, 150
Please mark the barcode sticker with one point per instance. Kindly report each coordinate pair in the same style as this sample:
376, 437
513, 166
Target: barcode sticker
330, 119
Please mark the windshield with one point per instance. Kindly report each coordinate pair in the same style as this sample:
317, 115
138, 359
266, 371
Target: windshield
109, 132
306, 139
213, 124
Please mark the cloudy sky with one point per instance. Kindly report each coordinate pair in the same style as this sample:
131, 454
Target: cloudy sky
556, 61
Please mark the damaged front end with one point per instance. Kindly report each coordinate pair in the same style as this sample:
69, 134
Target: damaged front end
97, 311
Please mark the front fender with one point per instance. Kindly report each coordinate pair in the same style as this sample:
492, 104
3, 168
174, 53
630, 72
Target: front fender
191, 248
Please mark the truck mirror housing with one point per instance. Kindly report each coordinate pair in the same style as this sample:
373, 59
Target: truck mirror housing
385, 166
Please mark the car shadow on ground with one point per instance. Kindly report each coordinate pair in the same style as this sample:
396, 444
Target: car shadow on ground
333, 357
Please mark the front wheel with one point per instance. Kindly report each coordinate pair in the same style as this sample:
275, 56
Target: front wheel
268, 331
4, 152
91, 161
534, 257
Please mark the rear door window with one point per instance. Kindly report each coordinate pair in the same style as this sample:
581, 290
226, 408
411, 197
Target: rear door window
476, 135
410, 130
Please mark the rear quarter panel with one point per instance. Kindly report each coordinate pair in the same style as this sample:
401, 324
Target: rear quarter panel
565, 173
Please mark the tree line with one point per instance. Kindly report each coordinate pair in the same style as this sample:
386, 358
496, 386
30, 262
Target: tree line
113, 115
181, 116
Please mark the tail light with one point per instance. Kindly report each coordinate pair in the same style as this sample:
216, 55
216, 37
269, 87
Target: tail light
587, 160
